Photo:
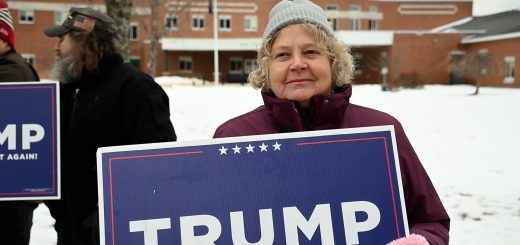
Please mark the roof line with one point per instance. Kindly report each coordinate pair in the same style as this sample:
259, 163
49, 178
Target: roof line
452, 24
422, 1
470, 39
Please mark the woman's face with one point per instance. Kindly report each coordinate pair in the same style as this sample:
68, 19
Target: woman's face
299, 68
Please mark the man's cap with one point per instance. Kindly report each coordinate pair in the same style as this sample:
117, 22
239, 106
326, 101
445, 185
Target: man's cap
289, 12
87, 20
6, 24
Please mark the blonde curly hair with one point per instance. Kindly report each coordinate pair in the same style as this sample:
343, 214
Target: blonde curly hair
342, 65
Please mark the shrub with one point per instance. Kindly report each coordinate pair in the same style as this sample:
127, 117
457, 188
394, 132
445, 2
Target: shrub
410, 80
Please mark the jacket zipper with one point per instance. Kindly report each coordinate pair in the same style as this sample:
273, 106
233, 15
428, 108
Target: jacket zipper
73, 111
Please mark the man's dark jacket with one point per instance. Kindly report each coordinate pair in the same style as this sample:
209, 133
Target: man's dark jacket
426, 214
117, 105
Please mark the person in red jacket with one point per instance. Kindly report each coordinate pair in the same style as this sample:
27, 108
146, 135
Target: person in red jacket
15, 216
304, 73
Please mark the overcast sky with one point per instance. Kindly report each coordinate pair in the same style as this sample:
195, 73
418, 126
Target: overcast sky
485, 7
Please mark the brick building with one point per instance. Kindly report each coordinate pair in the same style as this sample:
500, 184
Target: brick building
392, 40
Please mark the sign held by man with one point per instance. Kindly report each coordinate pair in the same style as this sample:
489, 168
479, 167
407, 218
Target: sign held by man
29, 141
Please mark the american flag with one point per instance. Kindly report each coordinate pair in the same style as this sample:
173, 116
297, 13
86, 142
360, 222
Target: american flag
84, 23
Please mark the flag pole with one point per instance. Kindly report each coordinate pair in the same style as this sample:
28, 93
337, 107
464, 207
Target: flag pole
215, 42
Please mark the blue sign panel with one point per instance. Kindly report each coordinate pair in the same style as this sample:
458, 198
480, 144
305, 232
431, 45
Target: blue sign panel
320, 187
29, 141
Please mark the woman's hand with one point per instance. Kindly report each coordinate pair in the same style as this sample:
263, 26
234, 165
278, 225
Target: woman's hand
412, 239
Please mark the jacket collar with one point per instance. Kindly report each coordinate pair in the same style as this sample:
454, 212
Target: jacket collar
328, 111
8, 52
88, 79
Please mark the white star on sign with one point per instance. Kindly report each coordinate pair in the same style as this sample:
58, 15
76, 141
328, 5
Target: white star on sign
223, 150
277, 146
250, 148
236, 149
263, 147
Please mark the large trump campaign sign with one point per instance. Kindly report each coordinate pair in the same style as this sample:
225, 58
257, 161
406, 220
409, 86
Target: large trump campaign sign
321, 187
29, 141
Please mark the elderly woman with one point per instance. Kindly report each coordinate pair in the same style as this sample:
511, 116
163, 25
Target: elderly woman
304, 76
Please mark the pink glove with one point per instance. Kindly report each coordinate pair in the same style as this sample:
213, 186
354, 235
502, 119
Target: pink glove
412, 239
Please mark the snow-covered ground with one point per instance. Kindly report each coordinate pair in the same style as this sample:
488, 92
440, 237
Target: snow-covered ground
466, 143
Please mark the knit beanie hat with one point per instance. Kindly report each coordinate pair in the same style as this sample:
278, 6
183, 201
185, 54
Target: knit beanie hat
6, 24
288, 12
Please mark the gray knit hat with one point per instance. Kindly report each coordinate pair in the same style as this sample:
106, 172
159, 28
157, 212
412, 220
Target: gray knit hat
288, 12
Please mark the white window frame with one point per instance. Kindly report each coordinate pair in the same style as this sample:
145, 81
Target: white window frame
240, 61
224, 23
187, 60
60, 17
372, 23
133, 31
333, 21
29, 58
198, 22
250, 65
26, 16
355, 23
250, 23
510, 65
175, 22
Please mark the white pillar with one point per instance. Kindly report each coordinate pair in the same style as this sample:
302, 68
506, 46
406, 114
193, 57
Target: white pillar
215, 42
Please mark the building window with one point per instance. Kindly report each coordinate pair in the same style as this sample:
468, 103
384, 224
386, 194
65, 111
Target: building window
251, 23
250, 65
509, 69
171, 23
235, 65
26, 17
133, 32
224, 23
197, 23
333, 21
29, 58
185, 64
355, 23
60, 17
372, 23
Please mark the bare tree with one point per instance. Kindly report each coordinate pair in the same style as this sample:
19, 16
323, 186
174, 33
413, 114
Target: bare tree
121, 12
155, 35
156, 28
476, 66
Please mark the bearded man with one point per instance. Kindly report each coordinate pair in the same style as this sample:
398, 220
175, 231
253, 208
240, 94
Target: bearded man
104, 102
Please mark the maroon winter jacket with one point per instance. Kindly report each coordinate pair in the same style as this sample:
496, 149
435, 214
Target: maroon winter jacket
426, 214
